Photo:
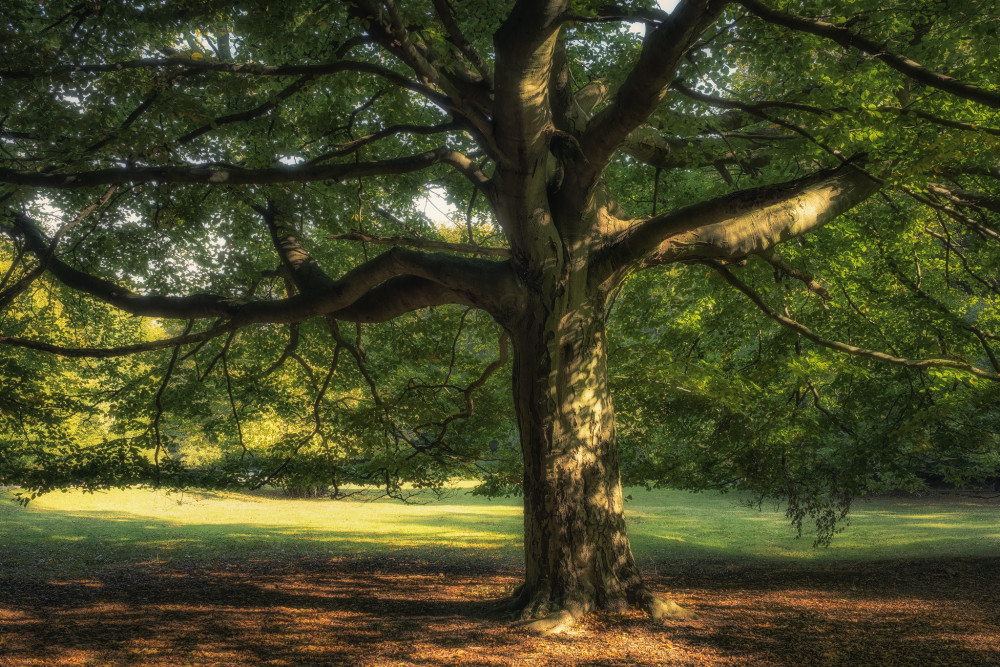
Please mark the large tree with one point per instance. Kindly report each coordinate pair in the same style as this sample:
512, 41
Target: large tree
240, 166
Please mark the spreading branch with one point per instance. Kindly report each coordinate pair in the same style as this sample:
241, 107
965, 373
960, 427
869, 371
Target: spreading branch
646, 84
743, 223
399, 278
231, 175
849, 39
119, 351
809, 334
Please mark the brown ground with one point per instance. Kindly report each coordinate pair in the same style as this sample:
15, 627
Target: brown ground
394, 613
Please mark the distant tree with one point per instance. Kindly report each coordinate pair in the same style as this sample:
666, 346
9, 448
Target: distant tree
240, 167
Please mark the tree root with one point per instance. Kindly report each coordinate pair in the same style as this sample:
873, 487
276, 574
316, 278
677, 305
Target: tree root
537, 612
661, 609
554, 623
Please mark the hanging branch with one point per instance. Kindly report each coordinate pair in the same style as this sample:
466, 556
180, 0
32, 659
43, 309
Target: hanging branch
121, 351
957, 320
317, 424
466, 412
950, 248
290, 347
232, 401
158, 402
849, 39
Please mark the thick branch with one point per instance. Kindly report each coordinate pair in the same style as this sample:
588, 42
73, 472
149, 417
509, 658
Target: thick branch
476, 282
464, 97
305, 273
399, 295
647, 83
849, 39
743, 223
525, 45
457, 37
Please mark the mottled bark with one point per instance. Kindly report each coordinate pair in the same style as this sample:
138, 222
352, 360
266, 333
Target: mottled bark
577, 552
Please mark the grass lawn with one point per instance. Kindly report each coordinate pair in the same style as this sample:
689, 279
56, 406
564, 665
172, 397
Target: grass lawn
146, 577
72, 532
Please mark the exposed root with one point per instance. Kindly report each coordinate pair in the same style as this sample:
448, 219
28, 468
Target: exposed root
538, 611
661, 609
554, 623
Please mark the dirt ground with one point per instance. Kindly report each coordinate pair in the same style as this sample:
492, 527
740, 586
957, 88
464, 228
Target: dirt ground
313, 612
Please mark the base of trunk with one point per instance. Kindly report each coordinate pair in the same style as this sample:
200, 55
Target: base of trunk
539, 612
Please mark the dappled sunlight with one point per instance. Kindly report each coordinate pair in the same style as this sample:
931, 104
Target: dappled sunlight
321, 612
144, 525
136, 577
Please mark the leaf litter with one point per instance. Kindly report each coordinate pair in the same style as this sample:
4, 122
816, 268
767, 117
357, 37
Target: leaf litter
389, 612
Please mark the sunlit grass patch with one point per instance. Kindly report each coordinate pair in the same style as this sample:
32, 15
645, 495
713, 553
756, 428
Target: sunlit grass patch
66, 533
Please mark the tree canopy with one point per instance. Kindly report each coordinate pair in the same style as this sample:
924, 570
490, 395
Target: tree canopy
340, 243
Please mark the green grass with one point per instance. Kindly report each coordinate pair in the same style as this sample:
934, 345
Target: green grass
71, 533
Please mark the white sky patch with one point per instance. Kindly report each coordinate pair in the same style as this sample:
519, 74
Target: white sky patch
665, 5
436, 208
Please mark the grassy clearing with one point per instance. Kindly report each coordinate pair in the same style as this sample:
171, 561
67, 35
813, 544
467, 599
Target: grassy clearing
69, 533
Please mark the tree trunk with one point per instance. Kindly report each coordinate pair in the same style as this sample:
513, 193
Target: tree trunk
577, 551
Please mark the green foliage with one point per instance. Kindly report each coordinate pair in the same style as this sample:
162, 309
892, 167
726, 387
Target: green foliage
710, 393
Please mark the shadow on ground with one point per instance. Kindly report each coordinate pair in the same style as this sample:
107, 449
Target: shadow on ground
395, 612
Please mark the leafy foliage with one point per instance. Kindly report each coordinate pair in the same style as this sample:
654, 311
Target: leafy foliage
711, 392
